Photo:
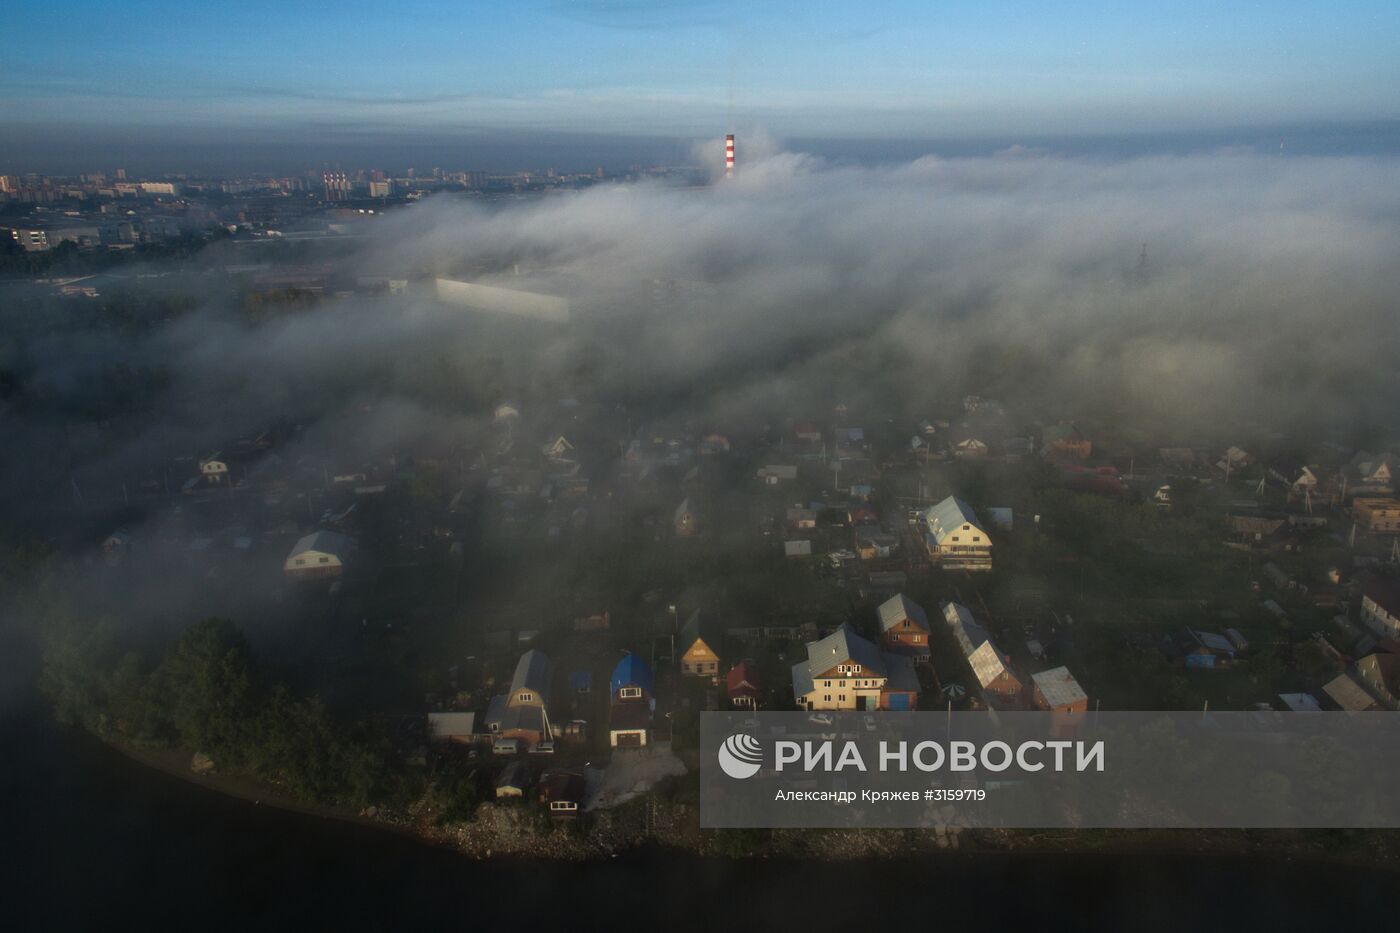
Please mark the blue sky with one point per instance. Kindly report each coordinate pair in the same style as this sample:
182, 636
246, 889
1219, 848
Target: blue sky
681, 67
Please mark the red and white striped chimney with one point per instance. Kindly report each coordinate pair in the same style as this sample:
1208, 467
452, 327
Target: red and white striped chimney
729, 156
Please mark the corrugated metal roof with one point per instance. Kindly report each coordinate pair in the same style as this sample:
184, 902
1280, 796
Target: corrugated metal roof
901, 676
501, 717
949, 516
898, 608
631, 671
841, 646
986, 663
802, 683
1058, 687
969, 633
533, 672
741, 677
1214, 642
1348, 694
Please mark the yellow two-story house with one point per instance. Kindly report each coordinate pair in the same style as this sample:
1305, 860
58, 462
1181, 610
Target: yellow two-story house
845, 671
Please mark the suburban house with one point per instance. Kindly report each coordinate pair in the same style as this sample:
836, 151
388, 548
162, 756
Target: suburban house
742, 686
1234, 458
557, 449
1348, 693
1300, 479
1064, 442
319, 554
1058, 691
1380, 607
970, 448
904, 627
1378, 516
561, 793
989, 665
522, 713
685, 519
632, 703
1204, 651
1369, 473
955, 538
699, 644
845, 671
214, 468
1377, 673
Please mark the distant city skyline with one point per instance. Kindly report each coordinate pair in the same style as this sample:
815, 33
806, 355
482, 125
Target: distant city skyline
632, 80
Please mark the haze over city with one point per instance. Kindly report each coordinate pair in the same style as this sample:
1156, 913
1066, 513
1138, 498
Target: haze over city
508, 464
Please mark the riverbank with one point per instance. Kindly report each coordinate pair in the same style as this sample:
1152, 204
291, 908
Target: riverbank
518, 831
179, 763
156, 850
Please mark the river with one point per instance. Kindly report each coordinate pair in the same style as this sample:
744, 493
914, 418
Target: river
97, 840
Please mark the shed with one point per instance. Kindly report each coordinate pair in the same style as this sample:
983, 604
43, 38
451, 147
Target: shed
562, 792
451, 726
1300, 702
797, 548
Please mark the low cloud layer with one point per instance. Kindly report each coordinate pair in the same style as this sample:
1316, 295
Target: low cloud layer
1187, 296
1198, 290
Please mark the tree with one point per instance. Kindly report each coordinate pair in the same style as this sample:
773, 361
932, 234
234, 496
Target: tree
208, 688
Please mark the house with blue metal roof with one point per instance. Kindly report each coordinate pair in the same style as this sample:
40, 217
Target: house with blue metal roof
630, 672
632, 703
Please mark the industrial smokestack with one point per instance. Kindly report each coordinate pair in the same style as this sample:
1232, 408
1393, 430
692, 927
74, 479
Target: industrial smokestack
729, 156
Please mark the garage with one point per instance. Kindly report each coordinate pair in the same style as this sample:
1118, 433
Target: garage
631, 738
